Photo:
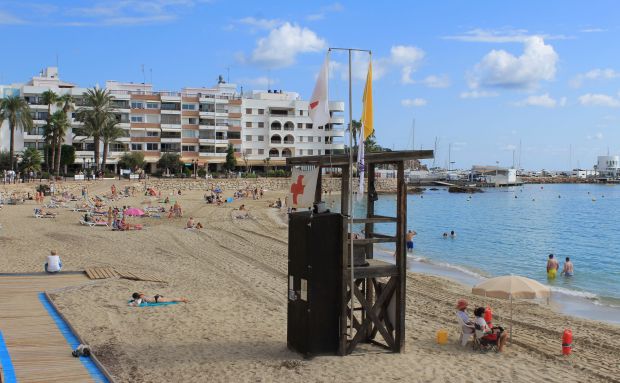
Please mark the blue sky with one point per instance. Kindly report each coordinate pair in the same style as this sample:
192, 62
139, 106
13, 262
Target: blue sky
479, 75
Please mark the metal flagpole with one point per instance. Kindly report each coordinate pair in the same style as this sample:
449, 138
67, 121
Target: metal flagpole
350, 218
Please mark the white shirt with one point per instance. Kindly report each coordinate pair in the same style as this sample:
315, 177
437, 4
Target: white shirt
483, 326
53, 263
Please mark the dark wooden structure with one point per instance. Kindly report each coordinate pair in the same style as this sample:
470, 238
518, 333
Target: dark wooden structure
379, 288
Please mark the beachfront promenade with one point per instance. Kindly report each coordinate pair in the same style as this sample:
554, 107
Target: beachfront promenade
38, 350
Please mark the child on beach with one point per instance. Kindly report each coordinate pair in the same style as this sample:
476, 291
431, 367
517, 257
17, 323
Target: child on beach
139, 298
53, 264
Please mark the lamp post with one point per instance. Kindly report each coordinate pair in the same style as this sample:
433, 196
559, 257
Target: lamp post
194, 162
496, 169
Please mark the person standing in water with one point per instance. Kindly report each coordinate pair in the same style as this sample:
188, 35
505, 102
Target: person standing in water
568, 270
552, 267
410, 235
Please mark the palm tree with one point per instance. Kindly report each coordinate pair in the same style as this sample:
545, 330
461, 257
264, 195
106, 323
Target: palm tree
17, 111
49, 97
110, 133
67, 102
61, 125
31, 161
94, 115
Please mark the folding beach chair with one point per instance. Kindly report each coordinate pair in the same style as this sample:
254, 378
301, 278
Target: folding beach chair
467, 331
91, 224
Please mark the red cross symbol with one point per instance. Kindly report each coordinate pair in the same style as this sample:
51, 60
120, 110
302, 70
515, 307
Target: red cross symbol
297, 188
314, 104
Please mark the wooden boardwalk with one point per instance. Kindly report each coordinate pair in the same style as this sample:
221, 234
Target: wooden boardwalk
38, 350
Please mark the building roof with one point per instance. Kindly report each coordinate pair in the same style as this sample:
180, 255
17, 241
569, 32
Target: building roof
374, 158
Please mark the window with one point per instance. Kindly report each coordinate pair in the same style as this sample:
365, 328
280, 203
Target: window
30, 145
261, 124
234, 135
248, 110
170, 134
248, 138
152, 134
318, 139
189, 121
301, 112
189, 134
188, 107
261, 138
310, 152
301, 138
152, 105
248, 151
248, 124
188, 148
310, 139
261, 111
136, 146
137, 119
261, 151
301, 152
308, 126
170, 106
152, 146
318, 152
153, 118
172, 119
117, 147
300, 125
137, 105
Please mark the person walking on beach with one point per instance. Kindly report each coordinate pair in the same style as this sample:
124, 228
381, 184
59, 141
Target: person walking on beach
53, 264
568, 270
410, 235
552, 267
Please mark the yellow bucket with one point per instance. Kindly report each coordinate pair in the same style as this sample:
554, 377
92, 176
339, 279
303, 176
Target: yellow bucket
442, 336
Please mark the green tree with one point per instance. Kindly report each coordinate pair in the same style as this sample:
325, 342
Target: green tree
170, 162
61, 125
97, 110
231, 161
5, 160
109, 134
31, 161
132, 160
49, 97
356, 127
68, 155
17, 111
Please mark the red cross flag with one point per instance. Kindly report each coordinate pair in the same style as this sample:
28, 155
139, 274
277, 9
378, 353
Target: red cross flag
318, 109
302, 188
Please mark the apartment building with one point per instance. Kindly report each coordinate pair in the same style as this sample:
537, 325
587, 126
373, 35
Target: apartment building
264, 127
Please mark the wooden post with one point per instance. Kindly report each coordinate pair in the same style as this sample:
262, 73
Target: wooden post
369, 228
344, 210
401, 258
318, 193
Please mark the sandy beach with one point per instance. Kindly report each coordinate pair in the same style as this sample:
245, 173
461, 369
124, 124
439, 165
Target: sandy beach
234, 328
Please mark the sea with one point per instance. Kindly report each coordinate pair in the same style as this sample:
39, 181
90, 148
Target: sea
512, 230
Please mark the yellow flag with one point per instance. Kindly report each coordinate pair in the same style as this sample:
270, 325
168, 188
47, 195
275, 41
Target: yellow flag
367, 101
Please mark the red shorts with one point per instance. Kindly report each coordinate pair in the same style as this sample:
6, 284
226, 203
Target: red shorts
490, 337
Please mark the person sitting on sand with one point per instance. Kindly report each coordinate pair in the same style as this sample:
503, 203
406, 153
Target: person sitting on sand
487, 334
468, 325
199, 226
190, 223
568, 270
53, 264
139, 298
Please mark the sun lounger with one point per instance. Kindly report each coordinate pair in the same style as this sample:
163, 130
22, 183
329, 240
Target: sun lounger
37, 214
94, 223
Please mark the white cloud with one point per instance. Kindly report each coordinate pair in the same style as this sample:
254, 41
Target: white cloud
404, 57
332, 8
407, 57
592, 30
593, 99
543, 100
260, 23
413, 102
594, 74
479, 35
597, 136
281, 47
9, 19
478, 94
432, 81
499, 68
261, 81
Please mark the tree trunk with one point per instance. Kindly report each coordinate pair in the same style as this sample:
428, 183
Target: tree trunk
12, 145
96, 151
47, 159
50, 166
59, 149
105, 155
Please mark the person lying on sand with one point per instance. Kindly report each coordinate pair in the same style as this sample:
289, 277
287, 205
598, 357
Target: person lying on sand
138, 298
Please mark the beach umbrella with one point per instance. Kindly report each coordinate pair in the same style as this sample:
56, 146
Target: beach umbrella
133, 212
509, 287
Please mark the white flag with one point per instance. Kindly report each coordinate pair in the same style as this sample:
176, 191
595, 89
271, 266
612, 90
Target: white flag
303, 187
361, 165
318, 109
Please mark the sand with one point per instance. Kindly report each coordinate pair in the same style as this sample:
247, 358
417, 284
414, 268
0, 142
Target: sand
234, 328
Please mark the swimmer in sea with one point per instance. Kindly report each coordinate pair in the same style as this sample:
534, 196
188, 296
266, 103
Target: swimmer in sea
410, 235
568, 270
552, 267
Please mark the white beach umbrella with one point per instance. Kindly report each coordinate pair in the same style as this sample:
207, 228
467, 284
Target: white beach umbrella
509, 287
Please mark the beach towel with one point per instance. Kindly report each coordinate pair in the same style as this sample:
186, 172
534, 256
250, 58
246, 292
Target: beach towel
148, 304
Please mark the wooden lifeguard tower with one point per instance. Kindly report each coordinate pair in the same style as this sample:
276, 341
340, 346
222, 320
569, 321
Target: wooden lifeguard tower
379, 287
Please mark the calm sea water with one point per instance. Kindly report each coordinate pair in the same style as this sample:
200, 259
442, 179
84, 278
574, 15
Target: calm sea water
513, 230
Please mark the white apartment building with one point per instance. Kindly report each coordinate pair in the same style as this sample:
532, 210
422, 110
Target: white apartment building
264, 127
608, 166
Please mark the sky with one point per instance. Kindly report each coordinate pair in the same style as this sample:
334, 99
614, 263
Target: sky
488, 81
